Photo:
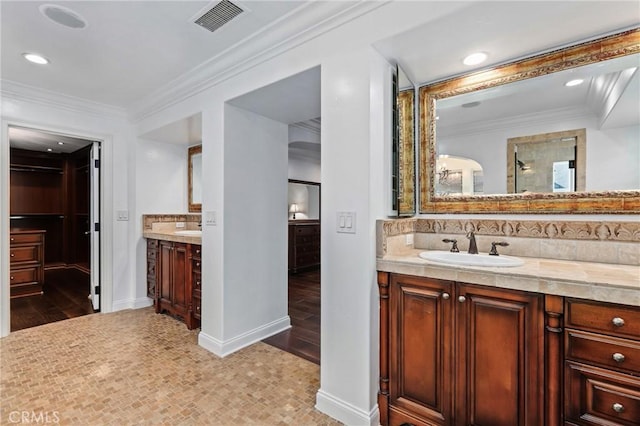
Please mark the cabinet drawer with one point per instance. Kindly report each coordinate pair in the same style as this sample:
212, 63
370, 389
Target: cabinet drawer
307, 230
25, 238
617, 320
196, 252
197, 307
600, 397
25, 254
23, 276
603, 350
196, 265
197, 281
152, 244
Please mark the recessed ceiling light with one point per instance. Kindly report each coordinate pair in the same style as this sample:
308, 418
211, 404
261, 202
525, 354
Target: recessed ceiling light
575, 82
35, 58
60, 143
63, 16
49, 149
475, 58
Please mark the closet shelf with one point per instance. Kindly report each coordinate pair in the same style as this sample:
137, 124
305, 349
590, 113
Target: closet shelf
33, 168
36, 215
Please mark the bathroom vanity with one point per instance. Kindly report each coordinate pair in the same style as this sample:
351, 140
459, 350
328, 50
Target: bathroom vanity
174, 266
506, 346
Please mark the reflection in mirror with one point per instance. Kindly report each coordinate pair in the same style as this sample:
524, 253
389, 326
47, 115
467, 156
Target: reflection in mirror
403, 182
458, 176
195, 178
551, 162
594, 86
303, 200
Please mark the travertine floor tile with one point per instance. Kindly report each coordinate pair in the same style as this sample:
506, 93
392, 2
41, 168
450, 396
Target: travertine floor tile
139, 368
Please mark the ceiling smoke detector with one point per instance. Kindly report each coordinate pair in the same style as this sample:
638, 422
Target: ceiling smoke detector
63, 16
219, 15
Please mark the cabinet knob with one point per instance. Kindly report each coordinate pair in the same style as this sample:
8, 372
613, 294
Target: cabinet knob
462, 299
618, 322
618, 357
13, 254
197, 263
618, 408
12, 278
12, 239
445, 296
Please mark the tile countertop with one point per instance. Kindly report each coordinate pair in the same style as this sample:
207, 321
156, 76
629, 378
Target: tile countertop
172, 236
586, 280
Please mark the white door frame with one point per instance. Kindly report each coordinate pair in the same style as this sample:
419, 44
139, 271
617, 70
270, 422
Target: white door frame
106, 207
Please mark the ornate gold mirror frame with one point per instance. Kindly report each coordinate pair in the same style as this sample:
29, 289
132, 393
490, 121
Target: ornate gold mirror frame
610, 47
194, 207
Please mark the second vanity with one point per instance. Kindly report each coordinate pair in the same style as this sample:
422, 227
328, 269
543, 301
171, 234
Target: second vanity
551, 342
174, 259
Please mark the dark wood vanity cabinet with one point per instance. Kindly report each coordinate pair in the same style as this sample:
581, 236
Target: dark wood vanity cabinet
602, 363
459, 354
171, 279
304, 245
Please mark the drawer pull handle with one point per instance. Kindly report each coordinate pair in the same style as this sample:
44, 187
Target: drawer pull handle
462, 299
445, 296
618, 357
618, 408
618, 322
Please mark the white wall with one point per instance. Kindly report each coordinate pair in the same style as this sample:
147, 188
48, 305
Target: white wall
255, 235
90, 121
160, 187
304, 169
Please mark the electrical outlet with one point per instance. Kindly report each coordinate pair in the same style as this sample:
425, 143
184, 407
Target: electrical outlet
122, 215
179, 224
210, 218
409, 239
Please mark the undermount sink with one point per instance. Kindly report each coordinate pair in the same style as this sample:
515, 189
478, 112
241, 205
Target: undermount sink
190, 232
467, 259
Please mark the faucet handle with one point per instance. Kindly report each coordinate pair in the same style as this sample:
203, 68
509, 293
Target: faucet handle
494, 251
454, 247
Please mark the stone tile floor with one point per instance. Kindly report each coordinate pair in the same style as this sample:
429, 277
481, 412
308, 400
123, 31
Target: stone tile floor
138, 368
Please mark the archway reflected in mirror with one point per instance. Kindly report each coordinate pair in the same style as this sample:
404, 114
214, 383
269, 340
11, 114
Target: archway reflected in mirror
458, 176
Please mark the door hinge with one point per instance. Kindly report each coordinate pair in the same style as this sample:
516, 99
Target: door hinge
96, 227
97, 290
96, 164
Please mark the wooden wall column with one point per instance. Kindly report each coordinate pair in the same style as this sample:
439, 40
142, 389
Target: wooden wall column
383, 393
554, 312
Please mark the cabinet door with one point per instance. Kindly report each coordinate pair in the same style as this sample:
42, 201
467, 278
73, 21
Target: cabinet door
420, 350
181, 290
166, 272
500, 358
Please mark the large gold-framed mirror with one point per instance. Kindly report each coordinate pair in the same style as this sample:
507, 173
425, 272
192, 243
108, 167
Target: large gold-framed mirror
443, 104
195, 178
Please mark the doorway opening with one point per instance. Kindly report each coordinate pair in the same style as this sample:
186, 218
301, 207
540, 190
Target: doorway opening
54, 188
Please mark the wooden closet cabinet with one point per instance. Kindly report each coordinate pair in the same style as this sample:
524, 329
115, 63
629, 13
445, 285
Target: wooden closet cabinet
174, 286
459, 354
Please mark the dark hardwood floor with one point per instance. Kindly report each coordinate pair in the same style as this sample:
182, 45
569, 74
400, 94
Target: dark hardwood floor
65, 296
303, 338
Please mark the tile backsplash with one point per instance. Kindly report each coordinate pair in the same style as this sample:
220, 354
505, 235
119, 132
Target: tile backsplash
596, 241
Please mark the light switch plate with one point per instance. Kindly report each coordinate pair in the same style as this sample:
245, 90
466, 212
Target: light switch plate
346, 222
210, 218
180, 224
122, 215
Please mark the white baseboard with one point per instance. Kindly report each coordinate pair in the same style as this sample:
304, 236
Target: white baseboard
346, 412
140, 302
227, 347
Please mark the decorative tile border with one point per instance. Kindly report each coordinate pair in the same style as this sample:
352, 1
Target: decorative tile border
568, 230
149, 219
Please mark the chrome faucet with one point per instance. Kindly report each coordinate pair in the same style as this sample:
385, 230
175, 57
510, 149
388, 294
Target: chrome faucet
473, 248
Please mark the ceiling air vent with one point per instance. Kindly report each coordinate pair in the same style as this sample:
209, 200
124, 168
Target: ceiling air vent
219, 15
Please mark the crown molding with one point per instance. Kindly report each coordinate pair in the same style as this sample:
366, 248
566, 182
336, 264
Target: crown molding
557, 115
22, 92
301, 25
